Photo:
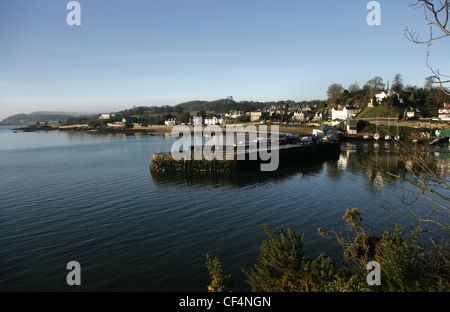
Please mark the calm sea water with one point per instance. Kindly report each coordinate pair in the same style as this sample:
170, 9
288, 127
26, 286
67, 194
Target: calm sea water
91, 198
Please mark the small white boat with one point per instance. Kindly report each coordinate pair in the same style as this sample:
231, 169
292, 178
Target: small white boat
366, 136
397, 138
387, 137
376, 136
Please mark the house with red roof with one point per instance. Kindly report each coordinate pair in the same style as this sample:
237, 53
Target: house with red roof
444, 112
343, 112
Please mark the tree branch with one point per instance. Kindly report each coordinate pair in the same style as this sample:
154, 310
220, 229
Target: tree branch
436, 16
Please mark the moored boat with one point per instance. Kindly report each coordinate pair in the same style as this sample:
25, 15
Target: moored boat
306, 140
331, 138
376, 136
291, 138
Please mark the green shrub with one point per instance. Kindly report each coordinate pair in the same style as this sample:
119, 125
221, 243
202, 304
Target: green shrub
406, 266
283, 268
219, 281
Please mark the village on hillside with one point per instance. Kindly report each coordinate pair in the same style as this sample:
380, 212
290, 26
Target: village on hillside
375, 101
375, 110
386, 108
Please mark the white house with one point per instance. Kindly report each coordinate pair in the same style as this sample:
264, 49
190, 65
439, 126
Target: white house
412, 112
304, 115
343, 112
234, 114
444, 112
107, 116
318, 117
254, 116
384, 95
214, 121
170, 122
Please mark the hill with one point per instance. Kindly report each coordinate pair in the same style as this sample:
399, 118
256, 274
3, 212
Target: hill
381, 111
22, 119
221, 106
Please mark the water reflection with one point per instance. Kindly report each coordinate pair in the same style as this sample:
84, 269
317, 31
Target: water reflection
383, 164
442, 163
241, 179
361, 159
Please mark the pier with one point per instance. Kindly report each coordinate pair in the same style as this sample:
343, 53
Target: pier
288, 155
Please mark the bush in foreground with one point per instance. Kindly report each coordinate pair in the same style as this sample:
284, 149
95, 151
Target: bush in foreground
406, 265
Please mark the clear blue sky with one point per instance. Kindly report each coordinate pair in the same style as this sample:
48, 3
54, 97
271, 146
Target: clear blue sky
163, 52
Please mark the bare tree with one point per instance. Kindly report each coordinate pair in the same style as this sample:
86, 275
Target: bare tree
334, 91
354, 87
437, 15
423, 178
375, 85
397, 83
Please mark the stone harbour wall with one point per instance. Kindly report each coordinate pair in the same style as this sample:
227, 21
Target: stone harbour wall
295, 154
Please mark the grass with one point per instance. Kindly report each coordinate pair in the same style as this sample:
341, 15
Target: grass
380, 111
296, 129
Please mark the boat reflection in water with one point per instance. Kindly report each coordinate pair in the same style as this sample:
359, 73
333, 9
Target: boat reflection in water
367, 159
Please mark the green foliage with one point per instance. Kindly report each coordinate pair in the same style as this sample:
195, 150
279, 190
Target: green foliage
380, 111
129, 125
222, 106
341, 126
184, 117
97, 123
77, 121
393, 101
283, 268
401, 261
202, 114
404, 268
410, 95
219, 281
365, 126
375, 100
350, 283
